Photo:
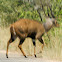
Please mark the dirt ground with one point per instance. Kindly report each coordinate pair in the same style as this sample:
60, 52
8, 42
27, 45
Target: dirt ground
17, 57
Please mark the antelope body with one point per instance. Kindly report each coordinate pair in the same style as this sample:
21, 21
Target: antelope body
29, 28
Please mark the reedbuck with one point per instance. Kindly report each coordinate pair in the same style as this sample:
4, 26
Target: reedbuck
24, 28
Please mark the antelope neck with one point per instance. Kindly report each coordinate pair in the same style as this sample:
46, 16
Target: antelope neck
47, 25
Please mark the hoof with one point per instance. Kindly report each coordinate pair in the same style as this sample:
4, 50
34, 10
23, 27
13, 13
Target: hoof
25, 57
35, 56
6, 56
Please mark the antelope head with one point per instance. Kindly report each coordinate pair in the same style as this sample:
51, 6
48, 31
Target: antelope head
55, 23
50, 22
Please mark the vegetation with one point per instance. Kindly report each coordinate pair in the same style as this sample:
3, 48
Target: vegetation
12, 10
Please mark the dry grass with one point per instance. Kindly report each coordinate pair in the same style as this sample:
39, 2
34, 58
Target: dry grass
52, 51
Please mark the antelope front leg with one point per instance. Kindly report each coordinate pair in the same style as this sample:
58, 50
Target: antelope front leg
39, 37
48, 36
34, 43
41, 40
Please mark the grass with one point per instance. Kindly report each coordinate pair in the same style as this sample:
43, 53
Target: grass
52, 49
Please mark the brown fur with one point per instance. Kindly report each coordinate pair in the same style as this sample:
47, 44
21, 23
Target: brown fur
24, 28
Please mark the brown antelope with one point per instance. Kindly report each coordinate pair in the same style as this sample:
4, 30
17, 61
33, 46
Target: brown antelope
24, 28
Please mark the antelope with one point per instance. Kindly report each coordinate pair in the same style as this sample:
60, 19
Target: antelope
24, 28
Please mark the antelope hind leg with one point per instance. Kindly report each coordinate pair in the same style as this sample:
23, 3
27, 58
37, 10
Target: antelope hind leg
20, 47
10, 41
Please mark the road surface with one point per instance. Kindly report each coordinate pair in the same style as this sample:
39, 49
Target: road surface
16, 57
